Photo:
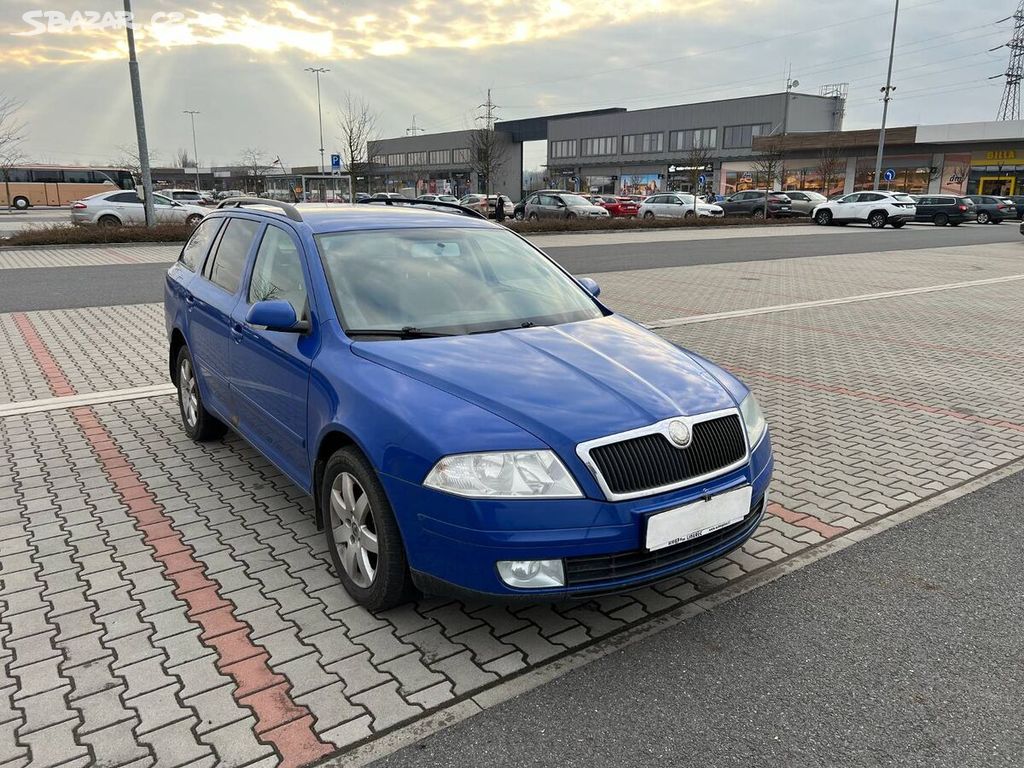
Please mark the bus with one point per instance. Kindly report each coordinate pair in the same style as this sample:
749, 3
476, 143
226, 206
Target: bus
30, 185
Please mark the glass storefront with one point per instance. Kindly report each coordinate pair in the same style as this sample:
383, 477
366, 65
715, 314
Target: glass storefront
809, 178
599, 185
913, 174
640, 184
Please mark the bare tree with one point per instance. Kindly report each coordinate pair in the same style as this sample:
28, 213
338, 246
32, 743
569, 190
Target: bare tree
487, 154
184, 159
697, 161
359, 135
128, 158
12, 133
254, 164
767, 163
829, 163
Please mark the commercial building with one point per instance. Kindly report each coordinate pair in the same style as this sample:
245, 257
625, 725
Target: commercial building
607, 150
955, 158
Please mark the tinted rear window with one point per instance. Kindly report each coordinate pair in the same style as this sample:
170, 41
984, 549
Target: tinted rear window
229, 261
197, 246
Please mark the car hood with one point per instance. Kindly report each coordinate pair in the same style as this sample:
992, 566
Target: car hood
709, 207
588, 208
566, 383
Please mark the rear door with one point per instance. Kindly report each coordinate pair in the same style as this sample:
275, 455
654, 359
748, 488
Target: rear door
269, 370
926, 208
213, 296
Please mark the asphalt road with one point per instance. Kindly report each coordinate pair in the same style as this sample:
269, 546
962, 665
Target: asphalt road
73, 287
904, 650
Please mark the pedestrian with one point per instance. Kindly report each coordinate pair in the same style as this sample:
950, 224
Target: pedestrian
499, 208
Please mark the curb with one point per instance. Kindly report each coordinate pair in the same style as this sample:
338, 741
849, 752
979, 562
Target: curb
77, 246
455, 712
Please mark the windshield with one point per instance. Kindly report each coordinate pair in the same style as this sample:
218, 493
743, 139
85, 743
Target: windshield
446, 281
575, 200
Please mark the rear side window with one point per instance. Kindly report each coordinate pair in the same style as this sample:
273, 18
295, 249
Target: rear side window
277, 273
229, 260
125, 197
195, 249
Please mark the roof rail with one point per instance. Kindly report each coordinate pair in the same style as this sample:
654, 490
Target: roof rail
237, 202
437, 204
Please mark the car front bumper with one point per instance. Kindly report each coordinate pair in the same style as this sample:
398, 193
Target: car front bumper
453, 544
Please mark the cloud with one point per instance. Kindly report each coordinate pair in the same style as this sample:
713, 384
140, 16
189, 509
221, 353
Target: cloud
324, 29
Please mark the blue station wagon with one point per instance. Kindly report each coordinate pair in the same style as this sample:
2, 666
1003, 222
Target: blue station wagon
468, 417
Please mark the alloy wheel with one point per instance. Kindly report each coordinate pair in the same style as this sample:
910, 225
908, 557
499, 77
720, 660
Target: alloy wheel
189, 395
354, 529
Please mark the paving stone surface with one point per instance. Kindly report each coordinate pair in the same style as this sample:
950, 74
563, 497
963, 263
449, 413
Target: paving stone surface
164, 602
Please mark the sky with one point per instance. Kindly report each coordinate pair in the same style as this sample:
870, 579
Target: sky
241, 65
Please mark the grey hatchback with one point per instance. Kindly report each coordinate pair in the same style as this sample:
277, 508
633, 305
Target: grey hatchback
993, 209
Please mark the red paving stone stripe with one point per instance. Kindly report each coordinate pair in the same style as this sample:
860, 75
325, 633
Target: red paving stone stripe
910, 405
55, 378
801, 520
279, 720
287, 726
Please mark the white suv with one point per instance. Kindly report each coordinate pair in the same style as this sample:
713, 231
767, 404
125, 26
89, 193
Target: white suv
876, 208
676, 205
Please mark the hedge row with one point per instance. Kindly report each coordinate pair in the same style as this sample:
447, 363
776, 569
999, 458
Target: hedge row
600, 225
63, 235
177, 233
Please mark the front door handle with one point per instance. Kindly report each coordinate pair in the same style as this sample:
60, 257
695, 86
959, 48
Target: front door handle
236, 332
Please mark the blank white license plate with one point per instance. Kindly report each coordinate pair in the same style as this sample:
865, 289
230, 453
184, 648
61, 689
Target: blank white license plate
697, 519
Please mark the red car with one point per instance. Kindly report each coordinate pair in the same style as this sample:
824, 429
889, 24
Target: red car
617, 207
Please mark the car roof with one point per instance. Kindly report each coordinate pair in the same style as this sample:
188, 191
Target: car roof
323, 217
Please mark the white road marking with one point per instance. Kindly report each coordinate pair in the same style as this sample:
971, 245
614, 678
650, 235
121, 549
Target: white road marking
89, 398
692, 319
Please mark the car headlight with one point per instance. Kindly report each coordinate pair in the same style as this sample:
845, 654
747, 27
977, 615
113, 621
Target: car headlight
508, 474
753, 418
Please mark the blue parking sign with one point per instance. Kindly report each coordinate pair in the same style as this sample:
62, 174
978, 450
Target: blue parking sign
335, 162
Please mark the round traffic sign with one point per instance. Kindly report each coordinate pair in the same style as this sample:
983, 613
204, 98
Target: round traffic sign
889, 174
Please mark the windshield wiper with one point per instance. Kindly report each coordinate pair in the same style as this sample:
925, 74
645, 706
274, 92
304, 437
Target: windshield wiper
406, 332
524, 324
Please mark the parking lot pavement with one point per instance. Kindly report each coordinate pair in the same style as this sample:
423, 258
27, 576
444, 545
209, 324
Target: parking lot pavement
903, 650
163, 602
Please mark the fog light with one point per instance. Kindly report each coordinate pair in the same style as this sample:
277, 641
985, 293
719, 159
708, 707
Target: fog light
532, 574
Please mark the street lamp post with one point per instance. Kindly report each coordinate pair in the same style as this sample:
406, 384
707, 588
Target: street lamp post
888, 95
195, 152
320, 115
140, 120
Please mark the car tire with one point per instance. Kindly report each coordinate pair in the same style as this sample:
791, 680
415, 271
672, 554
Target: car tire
823, 218
533, 217
358, 516
20, 203
689, 215
193, 220
877, 219
983, 217
649, 216
107, 220
570, 216
897, 224
940, 220
518, 215
198, 423
757, 213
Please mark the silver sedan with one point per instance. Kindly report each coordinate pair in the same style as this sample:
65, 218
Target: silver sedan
121, 207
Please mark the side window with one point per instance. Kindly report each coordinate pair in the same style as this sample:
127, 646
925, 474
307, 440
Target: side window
125, 197
229, 260
277, 273
797, 196
197, 246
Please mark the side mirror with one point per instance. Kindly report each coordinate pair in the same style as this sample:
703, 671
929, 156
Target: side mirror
591, 285
275, 315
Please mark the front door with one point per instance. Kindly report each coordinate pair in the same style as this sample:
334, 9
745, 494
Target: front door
997, 185
213, 297
270, 369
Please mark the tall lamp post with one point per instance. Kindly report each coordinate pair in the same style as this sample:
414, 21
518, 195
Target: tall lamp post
320, 115
887, 90
195, 152
140, 120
